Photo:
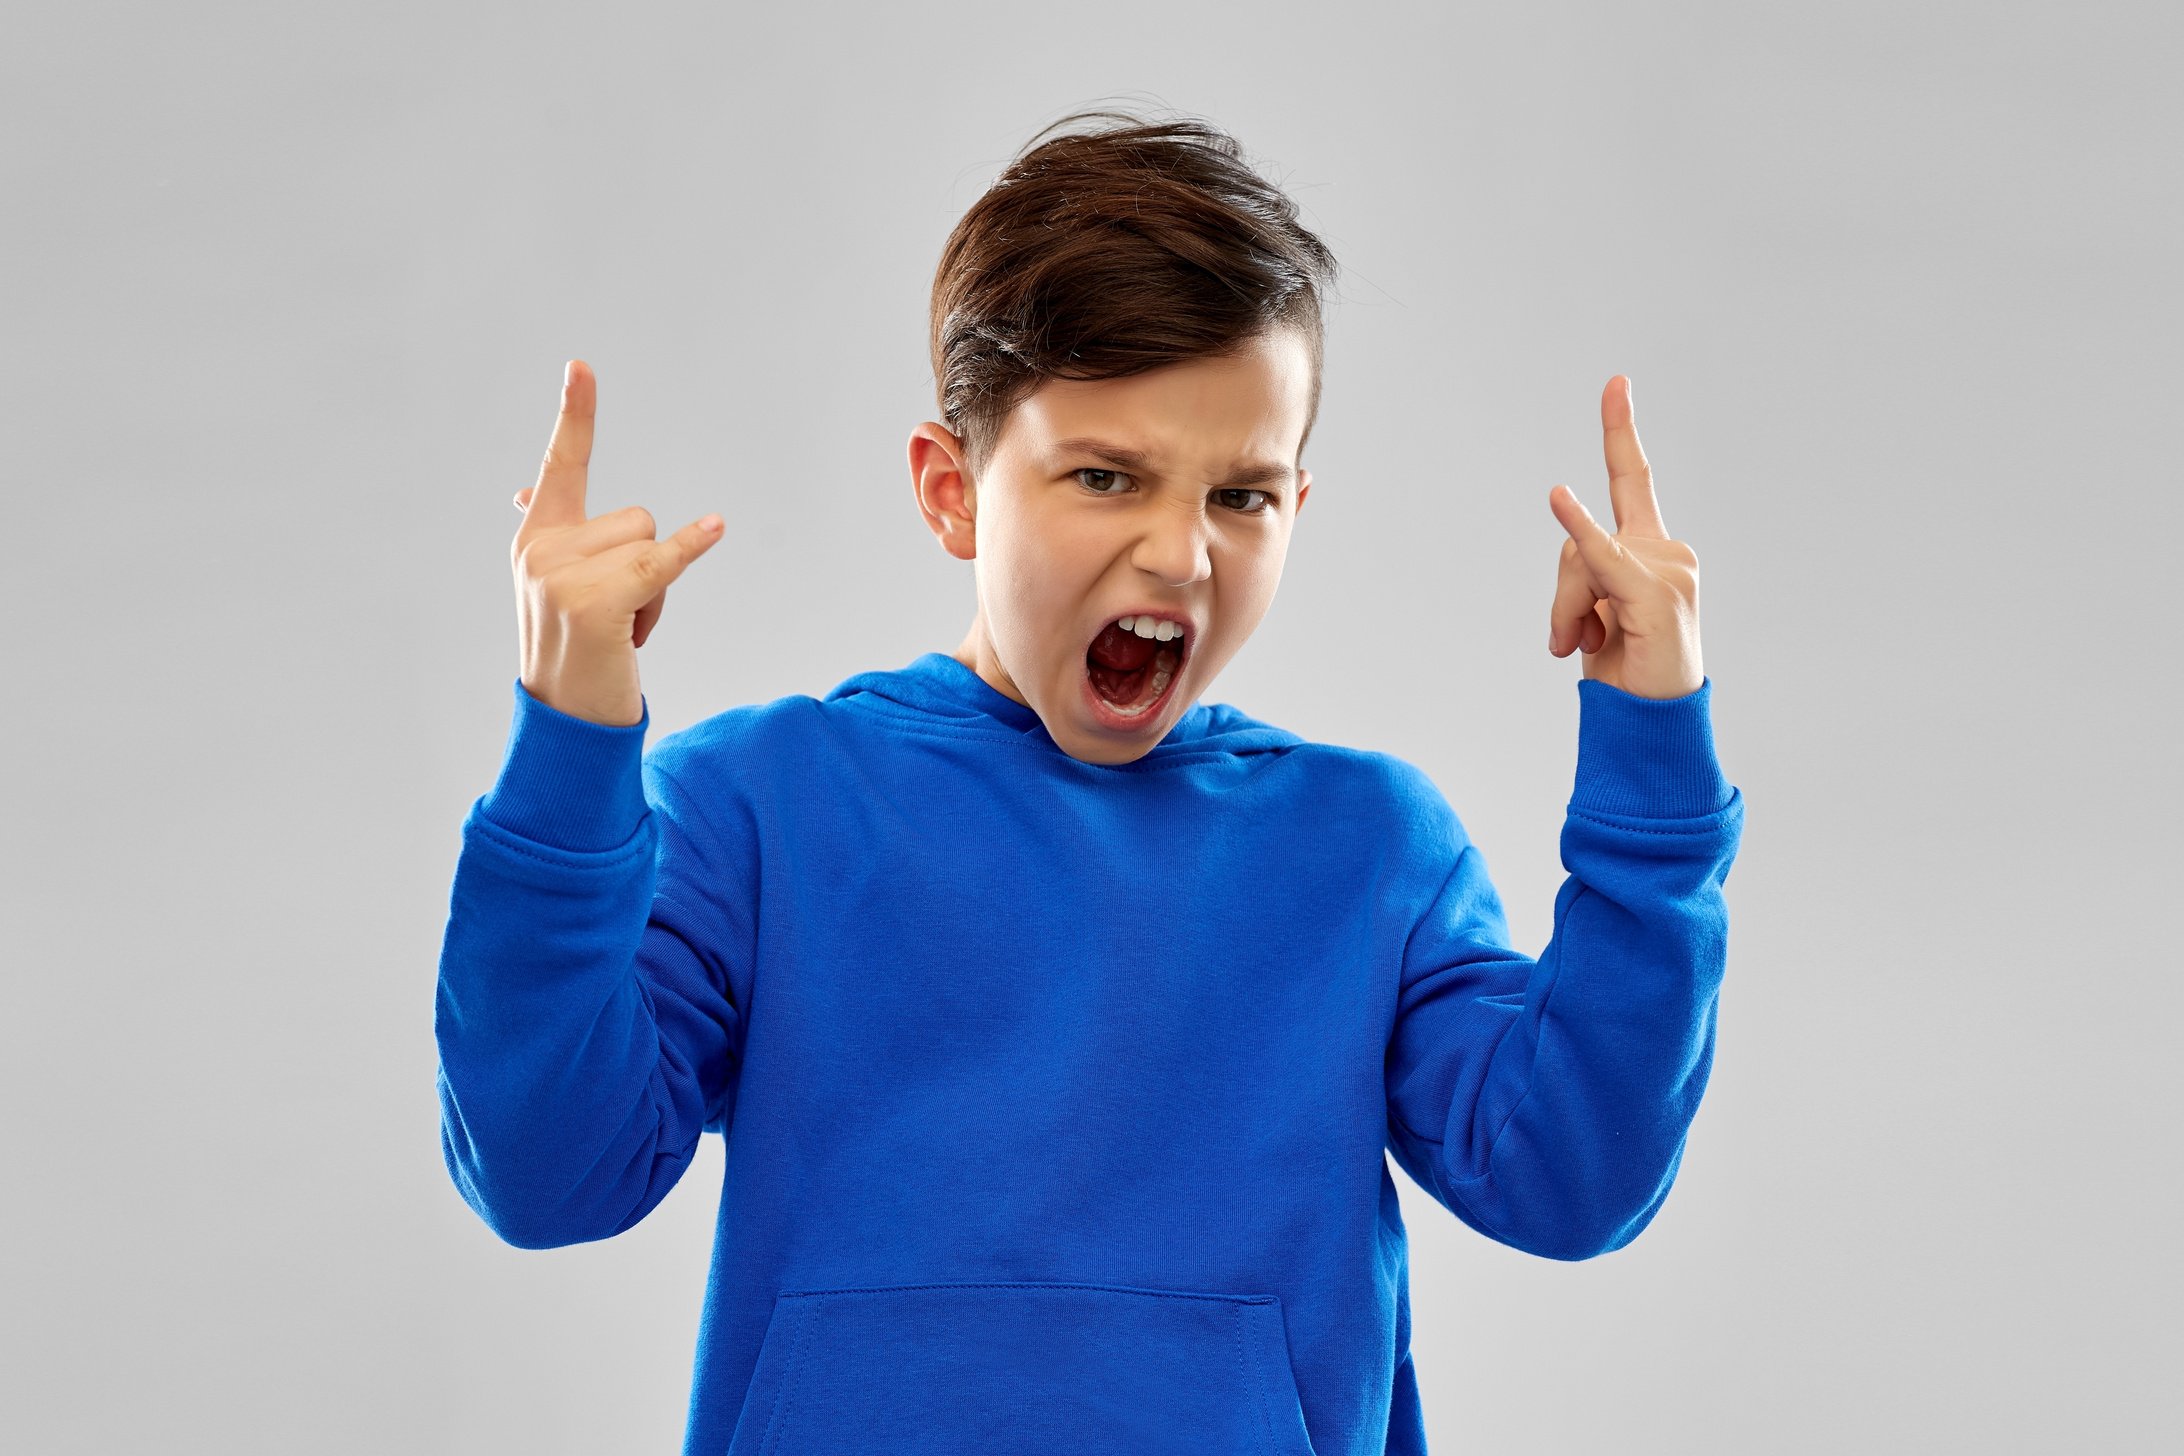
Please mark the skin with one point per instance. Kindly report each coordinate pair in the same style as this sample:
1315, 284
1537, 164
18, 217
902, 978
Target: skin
1061, 542
1630, 600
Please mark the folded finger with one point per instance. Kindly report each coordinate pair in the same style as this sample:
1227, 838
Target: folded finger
1576, 600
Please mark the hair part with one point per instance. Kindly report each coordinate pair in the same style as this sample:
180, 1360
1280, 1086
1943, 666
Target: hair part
1107, 252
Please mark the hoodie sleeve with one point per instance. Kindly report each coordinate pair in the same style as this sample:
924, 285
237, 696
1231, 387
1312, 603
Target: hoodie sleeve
586, 1027
1545, 1102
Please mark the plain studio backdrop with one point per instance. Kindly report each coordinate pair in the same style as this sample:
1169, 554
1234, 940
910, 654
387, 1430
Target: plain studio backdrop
288, 290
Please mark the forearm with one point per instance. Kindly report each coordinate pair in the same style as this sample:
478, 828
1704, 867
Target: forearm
1545, 1102
564, 1116
1577, 1132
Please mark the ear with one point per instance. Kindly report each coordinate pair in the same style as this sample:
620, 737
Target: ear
1304, 487
941, 482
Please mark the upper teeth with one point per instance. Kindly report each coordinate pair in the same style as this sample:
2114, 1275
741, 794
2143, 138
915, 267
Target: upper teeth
1151, 627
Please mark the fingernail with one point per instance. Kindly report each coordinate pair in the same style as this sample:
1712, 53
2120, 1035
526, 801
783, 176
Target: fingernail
568, 374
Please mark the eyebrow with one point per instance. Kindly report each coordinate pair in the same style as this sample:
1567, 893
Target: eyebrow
1255, 473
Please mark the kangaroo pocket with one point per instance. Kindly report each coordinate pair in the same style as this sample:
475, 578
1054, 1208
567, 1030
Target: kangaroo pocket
1056, 1369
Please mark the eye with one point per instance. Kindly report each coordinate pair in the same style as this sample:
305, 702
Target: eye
1095, 470
1265, 502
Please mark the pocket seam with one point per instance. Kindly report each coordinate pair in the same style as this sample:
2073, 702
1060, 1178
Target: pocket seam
1034, 1284
777, 1420
1252, 1369
1249, 1370
1276, 1375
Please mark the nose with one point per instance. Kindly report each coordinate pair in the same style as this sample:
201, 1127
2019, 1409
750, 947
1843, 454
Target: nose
1172, 546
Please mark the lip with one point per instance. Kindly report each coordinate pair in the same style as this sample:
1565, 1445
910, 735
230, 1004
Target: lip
1136, 723
1158, 614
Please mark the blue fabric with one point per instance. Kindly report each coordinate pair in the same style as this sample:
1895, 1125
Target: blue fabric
1058, 1096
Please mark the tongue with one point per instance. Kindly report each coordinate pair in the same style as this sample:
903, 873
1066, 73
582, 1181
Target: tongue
1121, 651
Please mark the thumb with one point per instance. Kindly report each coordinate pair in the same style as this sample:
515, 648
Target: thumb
523, 499
648, 615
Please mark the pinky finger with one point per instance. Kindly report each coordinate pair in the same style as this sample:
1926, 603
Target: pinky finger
677, 552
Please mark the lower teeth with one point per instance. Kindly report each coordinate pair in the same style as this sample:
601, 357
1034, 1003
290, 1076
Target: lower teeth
1165, 662
1160, 685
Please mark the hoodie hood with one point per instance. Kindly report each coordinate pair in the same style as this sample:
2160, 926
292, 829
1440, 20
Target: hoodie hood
935, 686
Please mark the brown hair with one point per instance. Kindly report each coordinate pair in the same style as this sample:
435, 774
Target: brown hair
1111, 251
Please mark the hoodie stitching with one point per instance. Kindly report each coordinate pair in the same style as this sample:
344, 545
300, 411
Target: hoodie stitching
1029, 1284
1250, 1367
1155, 761
777, 1423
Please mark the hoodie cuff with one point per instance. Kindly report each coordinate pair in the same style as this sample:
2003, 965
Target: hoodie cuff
1651, 758
568, 782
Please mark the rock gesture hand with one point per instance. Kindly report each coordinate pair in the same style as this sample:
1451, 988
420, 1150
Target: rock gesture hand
1629, 601
589, 589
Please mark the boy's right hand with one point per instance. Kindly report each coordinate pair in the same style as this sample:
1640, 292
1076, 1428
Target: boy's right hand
589, 591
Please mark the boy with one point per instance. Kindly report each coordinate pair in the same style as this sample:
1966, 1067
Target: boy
1058, 1022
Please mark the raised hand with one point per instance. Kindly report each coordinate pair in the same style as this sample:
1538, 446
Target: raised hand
589, 591
1630, 600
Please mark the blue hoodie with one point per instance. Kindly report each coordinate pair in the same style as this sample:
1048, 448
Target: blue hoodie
1057, 1094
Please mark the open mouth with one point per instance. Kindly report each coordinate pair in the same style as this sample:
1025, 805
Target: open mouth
1128, 675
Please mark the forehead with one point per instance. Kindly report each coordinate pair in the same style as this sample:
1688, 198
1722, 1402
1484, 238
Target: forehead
1249, 404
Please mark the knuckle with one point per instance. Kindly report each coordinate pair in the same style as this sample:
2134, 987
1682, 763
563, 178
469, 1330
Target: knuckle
642, 519
553, 598
579, 602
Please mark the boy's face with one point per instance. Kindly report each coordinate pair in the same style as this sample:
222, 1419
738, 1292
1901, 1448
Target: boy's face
1065, 539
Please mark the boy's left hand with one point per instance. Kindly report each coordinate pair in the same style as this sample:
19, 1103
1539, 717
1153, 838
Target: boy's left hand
1630, 600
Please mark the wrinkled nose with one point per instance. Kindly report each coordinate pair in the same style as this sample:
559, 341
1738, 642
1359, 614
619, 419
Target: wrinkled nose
1173, 548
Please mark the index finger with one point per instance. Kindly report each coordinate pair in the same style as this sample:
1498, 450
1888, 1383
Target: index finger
1630, 477
558, 499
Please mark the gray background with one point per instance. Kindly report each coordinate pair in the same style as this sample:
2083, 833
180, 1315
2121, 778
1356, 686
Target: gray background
288, 290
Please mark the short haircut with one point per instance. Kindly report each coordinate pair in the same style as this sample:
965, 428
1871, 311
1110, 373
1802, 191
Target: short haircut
1109, 251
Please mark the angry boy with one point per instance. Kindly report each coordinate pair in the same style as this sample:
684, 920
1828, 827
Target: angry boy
1060, 1023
